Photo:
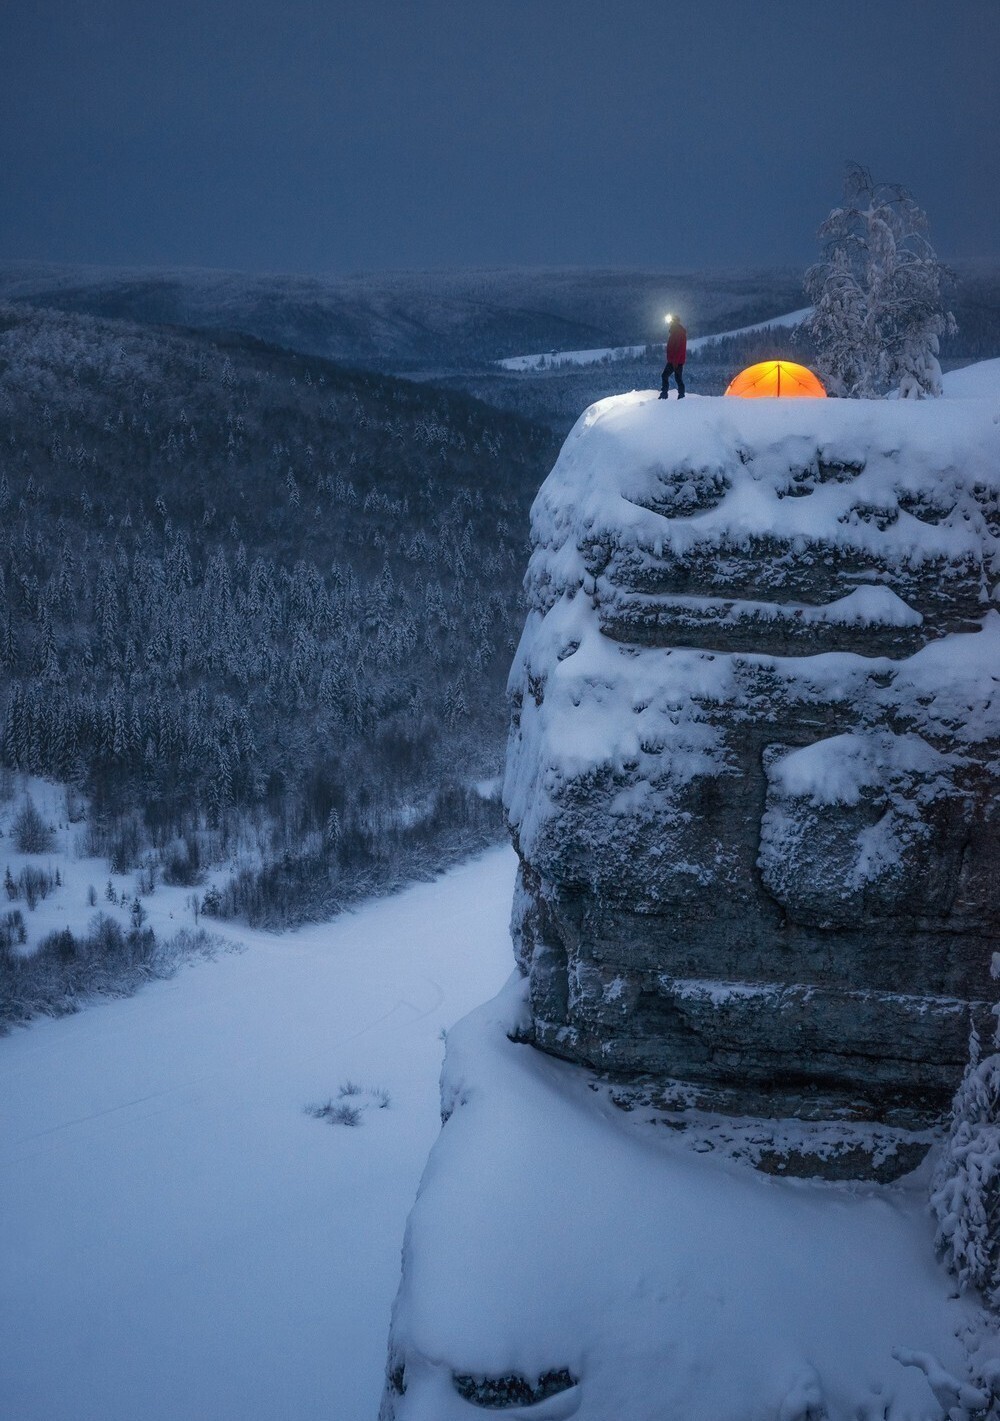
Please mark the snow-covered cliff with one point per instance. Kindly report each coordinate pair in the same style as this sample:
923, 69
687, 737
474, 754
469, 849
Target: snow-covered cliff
755, 752
752, 781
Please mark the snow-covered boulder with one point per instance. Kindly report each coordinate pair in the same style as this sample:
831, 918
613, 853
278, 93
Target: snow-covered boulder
755, 753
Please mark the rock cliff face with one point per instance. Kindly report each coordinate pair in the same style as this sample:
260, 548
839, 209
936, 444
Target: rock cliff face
755, 752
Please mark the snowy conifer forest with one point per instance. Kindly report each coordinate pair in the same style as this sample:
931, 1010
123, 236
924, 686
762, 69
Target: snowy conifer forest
256, 608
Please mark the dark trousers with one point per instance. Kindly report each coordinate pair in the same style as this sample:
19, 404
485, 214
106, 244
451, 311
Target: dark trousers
677, 371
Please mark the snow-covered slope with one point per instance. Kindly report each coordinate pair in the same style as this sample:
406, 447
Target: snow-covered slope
788, 321
974, 382
180, 1240
558, 359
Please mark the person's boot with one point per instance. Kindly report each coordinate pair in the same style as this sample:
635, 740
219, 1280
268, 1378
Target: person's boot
663, 394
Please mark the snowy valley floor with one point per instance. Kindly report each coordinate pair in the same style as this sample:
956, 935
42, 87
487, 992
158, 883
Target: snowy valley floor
180, 1240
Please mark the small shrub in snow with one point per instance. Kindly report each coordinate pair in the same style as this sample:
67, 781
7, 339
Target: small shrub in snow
211, 903
336, 1112
62, 943
31, 884
13, 933
351, 1103
182, 862
966, 1191
75, 806
194, 942
34, 884
65, 968
31, 833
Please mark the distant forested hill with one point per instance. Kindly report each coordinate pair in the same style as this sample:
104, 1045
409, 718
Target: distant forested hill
556, 396
255, 604
417, 322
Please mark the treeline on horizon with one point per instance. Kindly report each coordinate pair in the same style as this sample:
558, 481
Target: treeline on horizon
256, 607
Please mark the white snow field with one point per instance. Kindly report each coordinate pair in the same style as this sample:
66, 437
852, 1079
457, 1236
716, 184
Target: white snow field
180, 1241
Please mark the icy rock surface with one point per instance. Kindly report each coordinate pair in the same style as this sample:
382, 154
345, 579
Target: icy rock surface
755, 750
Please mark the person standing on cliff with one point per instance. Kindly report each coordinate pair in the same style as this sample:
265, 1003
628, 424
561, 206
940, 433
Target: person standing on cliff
677, 344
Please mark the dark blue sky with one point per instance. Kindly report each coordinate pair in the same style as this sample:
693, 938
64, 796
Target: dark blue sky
339, 135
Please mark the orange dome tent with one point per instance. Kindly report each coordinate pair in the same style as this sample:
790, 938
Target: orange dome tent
776, 377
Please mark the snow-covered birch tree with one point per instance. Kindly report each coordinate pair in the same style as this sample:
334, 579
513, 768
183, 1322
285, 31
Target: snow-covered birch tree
878, 294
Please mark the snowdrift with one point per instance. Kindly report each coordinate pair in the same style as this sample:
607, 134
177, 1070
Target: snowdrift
561, 1247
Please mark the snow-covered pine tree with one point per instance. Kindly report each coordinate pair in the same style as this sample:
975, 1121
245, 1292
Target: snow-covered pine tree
878, 294
966, 1193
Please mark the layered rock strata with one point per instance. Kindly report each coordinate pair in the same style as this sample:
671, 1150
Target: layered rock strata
755, 752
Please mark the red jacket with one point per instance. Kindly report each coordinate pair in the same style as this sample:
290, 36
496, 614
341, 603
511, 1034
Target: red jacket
677, 344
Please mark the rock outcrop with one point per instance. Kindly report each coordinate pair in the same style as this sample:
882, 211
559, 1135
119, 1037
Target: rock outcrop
755, 753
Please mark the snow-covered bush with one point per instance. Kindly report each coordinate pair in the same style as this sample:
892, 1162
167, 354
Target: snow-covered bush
31, 833
877, 294
336, 1112
966, 1192
351, 1103
959, 1400
13, 933
33, 884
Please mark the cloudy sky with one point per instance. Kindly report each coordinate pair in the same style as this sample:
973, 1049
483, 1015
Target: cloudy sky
344, 135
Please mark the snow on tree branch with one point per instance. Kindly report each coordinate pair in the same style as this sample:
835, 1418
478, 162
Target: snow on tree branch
878, 294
